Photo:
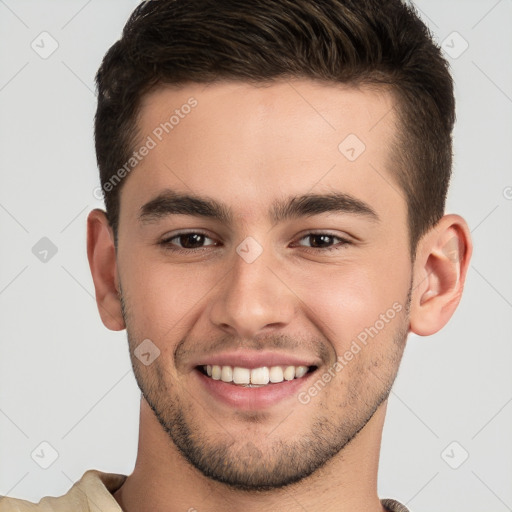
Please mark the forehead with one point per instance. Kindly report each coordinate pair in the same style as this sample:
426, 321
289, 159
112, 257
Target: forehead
311, 110
251, 143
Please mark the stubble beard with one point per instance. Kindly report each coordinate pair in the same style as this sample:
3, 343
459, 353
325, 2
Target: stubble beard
269, 462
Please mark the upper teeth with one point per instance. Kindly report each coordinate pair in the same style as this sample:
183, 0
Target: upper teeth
259, 376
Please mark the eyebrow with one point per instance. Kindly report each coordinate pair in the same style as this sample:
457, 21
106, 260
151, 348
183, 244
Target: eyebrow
175, 203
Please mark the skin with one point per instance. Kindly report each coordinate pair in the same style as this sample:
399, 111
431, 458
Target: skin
246, 147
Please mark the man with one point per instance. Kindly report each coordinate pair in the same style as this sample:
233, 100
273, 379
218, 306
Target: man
275, 175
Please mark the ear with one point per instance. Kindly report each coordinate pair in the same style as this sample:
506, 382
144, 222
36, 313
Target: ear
442, 261
102, 262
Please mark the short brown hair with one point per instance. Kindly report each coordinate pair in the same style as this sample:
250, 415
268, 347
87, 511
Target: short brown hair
356, 42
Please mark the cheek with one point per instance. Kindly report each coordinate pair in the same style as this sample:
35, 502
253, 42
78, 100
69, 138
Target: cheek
345, 300
162, 297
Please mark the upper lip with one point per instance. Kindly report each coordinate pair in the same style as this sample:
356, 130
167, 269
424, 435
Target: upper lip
251, 359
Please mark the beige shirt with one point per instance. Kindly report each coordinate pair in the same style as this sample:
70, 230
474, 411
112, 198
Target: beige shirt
93, 493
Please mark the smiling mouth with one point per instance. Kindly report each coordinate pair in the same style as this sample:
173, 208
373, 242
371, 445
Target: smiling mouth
255, 377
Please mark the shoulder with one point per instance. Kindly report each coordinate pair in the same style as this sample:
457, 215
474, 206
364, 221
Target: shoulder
92, 492
394, 506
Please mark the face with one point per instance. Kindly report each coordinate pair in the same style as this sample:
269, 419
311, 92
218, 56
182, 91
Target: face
263, 251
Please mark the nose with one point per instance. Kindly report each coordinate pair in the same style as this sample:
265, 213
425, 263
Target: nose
254, 297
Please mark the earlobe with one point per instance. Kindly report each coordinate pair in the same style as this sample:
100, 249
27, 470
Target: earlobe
442, 261
102, 262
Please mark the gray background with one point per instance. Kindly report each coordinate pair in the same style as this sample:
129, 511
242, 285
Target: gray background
67, 381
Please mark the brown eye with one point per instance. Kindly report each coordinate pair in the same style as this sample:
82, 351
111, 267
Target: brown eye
320, 241
186, 242
324, 241
191, 240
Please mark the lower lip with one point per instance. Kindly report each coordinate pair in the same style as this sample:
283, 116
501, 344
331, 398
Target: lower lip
249, 399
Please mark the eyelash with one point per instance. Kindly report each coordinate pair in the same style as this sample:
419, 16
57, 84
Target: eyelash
166, 243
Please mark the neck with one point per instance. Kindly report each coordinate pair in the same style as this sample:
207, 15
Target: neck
163, 480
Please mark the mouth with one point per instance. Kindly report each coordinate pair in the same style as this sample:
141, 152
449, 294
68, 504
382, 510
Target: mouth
255, 377
245, 380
